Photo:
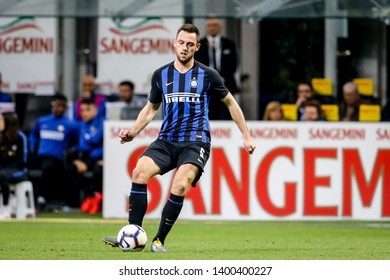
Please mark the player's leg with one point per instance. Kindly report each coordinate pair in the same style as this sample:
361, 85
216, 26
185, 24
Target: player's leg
181, 183
191, 161
145, 169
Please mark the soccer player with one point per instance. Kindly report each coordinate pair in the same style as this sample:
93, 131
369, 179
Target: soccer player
184, 87
89, 159
51, 141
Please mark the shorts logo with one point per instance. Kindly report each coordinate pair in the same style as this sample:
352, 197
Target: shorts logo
201, 154
194, 83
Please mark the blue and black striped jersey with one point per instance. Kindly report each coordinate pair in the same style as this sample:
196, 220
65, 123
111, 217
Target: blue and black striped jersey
185, 99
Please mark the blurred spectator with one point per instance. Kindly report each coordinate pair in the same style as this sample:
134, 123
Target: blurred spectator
126, 92
273, 112
89, 91
132, 101
50, 142
89, 160
312, 111
220, 53
13, 157
349, 107
4, 97
305, 92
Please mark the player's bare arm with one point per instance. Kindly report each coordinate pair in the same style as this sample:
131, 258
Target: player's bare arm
144, 118
239, 119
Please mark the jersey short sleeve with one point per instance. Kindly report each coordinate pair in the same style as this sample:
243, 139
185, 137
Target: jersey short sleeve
155, 95
216, 85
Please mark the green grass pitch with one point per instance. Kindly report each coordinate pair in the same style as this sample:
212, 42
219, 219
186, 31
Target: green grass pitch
78, 237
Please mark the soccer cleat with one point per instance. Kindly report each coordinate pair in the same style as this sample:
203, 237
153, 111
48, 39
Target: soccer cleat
158, 247
110, 241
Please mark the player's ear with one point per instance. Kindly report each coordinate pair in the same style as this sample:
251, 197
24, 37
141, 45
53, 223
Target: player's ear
197, 47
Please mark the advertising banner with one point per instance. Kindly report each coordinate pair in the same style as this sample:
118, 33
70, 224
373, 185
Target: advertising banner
28, 54
299, 171
132, 48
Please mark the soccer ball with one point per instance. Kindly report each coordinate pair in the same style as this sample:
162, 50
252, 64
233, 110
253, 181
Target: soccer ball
132, 238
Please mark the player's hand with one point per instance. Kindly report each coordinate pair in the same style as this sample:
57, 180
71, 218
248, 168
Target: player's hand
126, 135
80, 165
249, 146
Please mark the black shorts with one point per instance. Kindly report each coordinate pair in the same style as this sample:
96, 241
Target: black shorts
170, 155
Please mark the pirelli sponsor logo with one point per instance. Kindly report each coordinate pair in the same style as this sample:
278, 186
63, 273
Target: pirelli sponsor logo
182, 97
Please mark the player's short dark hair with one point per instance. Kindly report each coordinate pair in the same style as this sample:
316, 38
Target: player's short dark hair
190, 28
88, 101
60, 97
127, 83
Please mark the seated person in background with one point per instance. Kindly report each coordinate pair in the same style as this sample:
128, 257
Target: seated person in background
312, 111
273, 112
126, 92
126, 95
89, 159
305, 92
50, 142
349, 107
4, 97
13, 157
89, 91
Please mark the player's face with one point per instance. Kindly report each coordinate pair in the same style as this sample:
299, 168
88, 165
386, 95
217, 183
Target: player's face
59, 108
186, 46
88, 112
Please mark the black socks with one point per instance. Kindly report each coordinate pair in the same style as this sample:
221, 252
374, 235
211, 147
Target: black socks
138, 203
169, 216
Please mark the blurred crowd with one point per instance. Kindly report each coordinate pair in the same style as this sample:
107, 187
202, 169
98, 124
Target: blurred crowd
309, 106
63, 153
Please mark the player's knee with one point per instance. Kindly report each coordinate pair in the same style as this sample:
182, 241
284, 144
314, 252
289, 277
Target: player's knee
180, 187
140, 175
